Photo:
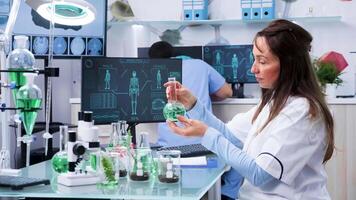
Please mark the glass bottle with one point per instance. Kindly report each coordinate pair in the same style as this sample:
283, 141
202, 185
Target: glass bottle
173, 107
114, 135
124, 136
20, 59
60, 160
29, 100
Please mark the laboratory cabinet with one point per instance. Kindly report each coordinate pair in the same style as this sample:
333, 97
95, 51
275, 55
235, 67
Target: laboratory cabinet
341, 169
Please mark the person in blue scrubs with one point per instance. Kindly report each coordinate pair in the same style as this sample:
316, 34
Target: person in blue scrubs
211, 86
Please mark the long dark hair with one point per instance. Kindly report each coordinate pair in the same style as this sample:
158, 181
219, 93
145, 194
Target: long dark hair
291, 44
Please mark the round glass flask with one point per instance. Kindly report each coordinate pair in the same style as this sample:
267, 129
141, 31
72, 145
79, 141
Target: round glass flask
173, 107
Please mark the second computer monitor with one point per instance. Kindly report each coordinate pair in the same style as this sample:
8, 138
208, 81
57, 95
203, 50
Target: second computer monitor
233, 62
128, 89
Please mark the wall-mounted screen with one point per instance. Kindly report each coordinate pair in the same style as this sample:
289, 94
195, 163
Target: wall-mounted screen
69, 41
233, 62
128, 89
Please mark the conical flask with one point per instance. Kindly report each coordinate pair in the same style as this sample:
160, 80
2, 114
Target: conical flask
19, 59
124, 136
173, 107
29, 99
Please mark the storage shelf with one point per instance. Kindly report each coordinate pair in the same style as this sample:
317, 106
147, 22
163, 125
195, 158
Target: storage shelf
224, 21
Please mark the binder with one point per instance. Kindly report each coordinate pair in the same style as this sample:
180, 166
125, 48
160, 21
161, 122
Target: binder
246, 9
200, 9
256, 7
195, 9
268, 7
188, 9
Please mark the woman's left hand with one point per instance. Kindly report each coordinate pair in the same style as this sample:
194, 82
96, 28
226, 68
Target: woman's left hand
190, 127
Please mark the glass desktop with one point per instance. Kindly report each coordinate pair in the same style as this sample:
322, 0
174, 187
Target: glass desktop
194, 184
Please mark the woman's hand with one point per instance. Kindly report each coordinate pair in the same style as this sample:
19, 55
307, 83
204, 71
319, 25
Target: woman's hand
183, 95
190, 127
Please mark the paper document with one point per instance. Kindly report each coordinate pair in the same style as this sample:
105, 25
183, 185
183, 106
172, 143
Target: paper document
192, 161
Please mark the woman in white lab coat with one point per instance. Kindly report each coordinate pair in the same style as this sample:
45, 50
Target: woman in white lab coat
281, 145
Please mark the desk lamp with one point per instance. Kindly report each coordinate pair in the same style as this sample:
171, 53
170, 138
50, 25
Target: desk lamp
66, 12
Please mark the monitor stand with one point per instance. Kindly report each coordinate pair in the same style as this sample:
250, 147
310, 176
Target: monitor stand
237, 90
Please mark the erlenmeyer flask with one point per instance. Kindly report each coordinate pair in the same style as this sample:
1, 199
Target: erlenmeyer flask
173, 107
124, 136
20, 59
29, 99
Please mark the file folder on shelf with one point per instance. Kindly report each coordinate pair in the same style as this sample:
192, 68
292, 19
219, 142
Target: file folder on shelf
195, 9
257, 9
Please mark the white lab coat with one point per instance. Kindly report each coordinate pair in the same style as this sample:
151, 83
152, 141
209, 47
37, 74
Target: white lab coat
291, 148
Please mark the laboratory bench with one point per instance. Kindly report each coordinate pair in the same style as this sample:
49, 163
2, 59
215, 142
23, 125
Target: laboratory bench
195, 182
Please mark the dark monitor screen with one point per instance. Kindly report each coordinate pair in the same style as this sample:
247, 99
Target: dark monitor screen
191, 51
233, 62
128, 89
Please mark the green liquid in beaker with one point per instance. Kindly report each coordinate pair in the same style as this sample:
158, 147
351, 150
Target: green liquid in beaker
28, 113
19, 79
171, 110
60, 162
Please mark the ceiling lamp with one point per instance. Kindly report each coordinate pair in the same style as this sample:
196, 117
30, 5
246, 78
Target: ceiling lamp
67, 12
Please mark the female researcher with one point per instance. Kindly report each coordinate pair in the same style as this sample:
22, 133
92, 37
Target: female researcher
279, 146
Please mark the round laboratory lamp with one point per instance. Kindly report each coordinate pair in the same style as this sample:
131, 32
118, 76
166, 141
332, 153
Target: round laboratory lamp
67, 12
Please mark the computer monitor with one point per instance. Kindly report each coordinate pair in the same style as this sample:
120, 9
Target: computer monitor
191, 51
128, 89
233, 62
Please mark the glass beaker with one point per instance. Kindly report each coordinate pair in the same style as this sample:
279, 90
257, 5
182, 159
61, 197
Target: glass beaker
20, 59
29, 100
140, 165
109, 163
124, 160
173, 107
169, 166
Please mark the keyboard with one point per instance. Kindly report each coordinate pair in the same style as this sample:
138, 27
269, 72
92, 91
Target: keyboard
19, 182
189, 150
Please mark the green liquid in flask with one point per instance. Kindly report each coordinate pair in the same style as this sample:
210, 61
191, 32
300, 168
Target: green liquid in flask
28, 114
19, 79
171, 110
60, 162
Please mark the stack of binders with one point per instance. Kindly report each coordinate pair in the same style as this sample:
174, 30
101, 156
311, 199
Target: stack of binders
195, 9
257, 9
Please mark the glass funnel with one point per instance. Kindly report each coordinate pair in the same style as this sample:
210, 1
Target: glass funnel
173, 107
28, 100
20, 59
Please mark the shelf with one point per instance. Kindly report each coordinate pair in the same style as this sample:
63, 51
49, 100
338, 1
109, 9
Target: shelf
224, 22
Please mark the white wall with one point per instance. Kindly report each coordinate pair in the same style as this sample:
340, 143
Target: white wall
328, 35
